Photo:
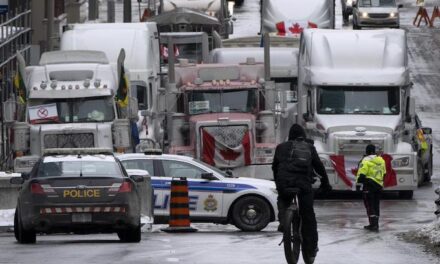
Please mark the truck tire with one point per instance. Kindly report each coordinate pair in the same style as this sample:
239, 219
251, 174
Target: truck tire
239, 2
429, 167
22, 235
406, 195
251, 214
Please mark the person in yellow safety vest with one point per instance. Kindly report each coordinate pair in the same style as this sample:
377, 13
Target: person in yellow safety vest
370, 175
421, 140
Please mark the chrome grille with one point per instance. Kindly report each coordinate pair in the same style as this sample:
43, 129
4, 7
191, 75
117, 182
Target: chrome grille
386, 15
357, 146
77, 140
231, 136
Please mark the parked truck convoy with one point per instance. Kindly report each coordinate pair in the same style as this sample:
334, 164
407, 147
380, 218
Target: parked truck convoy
71, 105
354, 89
141, 43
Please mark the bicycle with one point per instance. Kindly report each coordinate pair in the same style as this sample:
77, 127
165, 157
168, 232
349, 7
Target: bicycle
292, 238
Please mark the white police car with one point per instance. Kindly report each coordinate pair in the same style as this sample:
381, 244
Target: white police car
249, 204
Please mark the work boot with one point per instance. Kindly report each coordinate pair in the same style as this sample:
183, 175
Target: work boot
369, 221
374, 224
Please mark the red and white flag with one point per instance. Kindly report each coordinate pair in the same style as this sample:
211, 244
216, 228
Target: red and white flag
290, 27
218, 154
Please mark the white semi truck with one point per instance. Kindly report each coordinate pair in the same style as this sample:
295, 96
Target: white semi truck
70, 105
354, 89
141, 44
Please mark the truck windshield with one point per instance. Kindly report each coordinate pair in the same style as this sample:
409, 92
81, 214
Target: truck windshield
377, 3
72, 110
358, 100
222, 101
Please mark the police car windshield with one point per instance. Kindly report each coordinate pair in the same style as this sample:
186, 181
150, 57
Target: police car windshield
358, 100
222, 173
76, 110
79, 168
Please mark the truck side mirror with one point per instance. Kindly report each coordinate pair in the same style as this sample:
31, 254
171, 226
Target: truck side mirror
427, 130
411, 110
161, 99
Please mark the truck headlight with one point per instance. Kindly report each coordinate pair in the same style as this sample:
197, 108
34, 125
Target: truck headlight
400, 162
364, 14
393, 15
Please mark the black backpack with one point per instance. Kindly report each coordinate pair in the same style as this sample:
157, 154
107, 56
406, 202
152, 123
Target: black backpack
300, 159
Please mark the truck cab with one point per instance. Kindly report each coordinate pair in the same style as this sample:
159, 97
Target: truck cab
70, 105
346, 104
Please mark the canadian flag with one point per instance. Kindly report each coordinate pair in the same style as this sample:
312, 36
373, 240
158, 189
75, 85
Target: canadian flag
346, 168
217, 153
290, 27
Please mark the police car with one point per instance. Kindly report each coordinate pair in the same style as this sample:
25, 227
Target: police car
249, 204
80, 194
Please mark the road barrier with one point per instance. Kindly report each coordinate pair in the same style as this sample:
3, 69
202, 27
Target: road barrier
179, 207
422, 14
435, 14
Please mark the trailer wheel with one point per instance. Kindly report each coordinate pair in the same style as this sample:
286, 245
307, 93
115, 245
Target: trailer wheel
406, 195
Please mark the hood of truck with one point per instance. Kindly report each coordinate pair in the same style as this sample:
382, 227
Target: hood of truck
199, 5
350, 122
378, 10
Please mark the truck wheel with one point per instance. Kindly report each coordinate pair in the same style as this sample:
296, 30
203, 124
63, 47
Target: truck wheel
406, 195
251, 213
345, 17
22, 235
239, 2
428, 171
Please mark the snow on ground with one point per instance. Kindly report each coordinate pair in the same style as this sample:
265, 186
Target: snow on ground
7, 217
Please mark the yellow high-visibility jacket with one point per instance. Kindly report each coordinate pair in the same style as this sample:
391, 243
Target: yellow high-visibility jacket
373, 167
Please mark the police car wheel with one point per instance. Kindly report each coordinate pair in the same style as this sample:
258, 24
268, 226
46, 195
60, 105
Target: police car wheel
22, 235
130, 235
251, 213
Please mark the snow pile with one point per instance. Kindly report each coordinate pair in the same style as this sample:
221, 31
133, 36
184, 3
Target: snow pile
431, 232
146, 223
7, 217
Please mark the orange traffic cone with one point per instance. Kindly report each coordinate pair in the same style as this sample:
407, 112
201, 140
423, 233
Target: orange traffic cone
179, 207
435, 14
422, 14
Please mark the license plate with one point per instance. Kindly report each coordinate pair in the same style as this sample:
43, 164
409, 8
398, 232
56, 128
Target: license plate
81, 218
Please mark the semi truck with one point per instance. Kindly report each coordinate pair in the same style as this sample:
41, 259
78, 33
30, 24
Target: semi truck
70, 104
141, 44
194, 16
354, 89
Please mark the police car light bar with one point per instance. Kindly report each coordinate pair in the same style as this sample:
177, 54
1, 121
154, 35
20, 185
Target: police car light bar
76, 151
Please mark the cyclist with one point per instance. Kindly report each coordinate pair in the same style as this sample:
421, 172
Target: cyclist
370, 174
292, 167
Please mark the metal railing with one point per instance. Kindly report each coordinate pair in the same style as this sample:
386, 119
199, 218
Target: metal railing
15, 35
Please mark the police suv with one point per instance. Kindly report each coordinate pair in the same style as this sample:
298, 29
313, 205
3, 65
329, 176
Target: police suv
214, 196
80, 194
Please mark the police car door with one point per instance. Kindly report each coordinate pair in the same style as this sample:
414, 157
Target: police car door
205, 196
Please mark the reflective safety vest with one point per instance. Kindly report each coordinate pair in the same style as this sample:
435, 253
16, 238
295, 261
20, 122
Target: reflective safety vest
373, 167
422, 140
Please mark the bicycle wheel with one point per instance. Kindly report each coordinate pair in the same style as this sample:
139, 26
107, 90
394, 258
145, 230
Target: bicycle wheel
291, 236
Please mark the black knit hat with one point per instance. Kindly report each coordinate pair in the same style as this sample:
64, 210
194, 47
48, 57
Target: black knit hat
296, 131
370, 149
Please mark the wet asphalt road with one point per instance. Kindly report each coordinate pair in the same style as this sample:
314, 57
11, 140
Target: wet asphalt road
340, 220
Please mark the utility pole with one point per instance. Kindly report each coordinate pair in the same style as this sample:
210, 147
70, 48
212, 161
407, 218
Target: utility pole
127, 11
50, 11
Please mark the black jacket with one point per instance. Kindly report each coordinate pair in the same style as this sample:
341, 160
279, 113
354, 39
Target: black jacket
300, 180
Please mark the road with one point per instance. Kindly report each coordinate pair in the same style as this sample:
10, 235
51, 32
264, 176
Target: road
342, 238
